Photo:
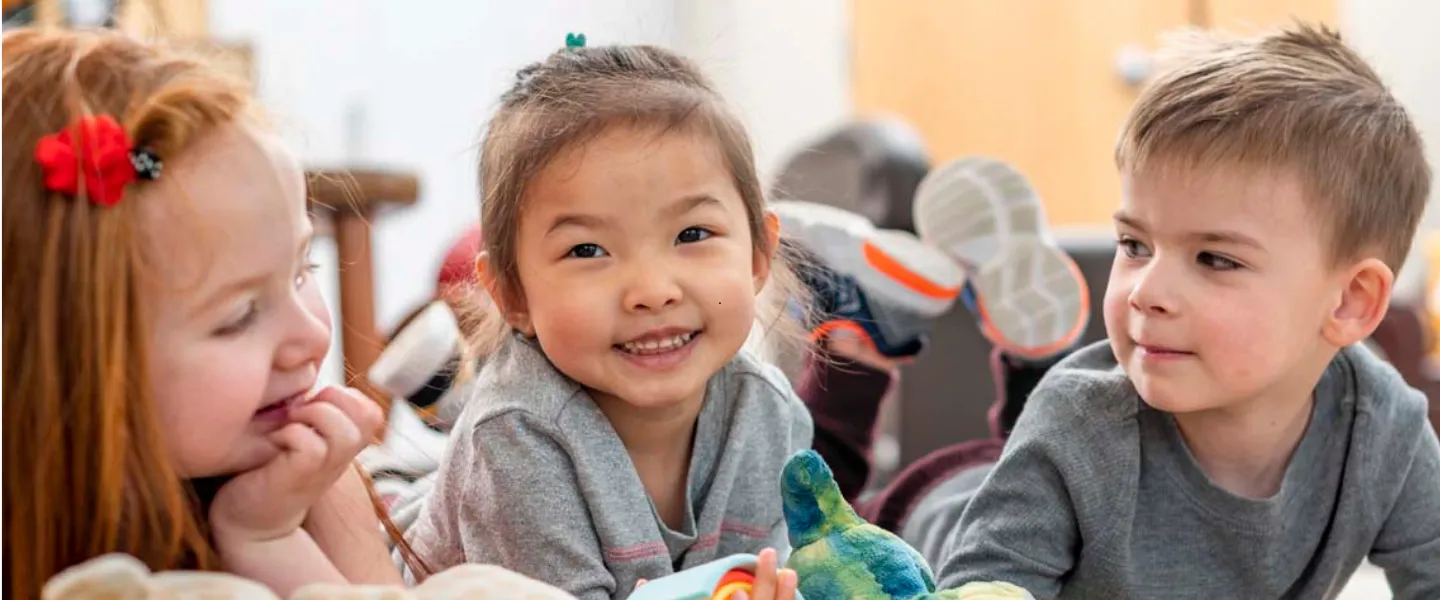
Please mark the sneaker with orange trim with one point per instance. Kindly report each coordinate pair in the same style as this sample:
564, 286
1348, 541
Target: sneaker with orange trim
1030, 297
884, 285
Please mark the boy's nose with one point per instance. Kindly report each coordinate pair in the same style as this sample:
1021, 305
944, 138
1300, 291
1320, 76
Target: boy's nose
1152, 294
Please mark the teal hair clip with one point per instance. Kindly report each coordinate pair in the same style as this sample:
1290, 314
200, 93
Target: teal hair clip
574, 40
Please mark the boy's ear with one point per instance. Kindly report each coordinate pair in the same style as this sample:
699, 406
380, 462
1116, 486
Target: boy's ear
763, 260
505, 301
1364, 300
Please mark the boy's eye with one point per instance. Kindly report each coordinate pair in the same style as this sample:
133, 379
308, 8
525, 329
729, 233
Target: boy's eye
1133, 248
240, 324
586, 251
692, 235
1216, 262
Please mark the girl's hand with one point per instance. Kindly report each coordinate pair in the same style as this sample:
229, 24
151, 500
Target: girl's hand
316, 448
771, 582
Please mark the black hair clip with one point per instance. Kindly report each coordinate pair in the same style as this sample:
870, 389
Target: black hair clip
147, 163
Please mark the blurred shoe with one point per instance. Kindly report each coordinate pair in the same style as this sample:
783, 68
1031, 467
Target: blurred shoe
424, 363
883, 284
1027, 293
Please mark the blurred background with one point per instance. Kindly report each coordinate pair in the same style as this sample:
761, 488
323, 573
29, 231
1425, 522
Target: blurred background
396, 93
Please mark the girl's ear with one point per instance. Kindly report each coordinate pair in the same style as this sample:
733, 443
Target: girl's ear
511, 307
763, 260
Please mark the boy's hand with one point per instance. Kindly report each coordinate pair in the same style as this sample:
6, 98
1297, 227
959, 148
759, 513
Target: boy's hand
316, 448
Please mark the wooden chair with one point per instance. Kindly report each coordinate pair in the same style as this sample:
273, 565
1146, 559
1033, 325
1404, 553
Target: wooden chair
345, 202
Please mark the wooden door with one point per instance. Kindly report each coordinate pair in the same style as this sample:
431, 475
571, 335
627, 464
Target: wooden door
1249, 15
1031, 82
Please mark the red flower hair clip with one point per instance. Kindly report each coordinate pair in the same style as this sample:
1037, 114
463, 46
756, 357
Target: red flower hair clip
95, 150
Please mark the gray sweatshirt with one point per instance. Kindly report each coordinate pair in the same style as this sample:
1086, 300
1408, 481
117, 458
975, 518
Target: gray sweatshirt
1097, 496
536, 480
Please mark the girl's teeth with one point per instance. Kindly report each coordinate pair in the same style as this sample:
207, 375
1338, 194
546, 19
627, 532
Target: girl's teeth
656, 346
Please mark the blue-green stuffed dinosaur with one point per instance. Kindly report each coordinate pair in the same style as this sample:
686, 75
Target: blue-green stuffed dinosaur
839, 555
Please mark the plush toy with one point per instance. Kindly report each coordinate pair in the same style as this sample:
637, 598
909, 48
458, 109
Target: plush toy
115, 576
837, 554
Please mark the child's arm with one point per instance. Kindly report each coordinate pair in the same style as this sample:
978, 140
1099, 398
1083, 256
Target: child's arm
1408, 547
1020, 527
284, 564
345, 526
256, 517
511, 493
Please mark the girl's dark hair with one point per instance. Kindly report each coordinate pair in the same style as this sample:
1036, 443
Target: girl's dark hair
570, 98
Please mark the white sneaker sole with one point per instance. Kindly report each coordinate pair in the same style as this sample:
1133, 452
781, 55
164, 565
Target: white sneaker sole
1035, 304
1033, 300
417, 352
894, 265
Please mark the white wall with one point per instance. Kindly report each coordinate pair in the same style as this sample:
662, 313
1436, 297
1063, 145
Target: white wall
783, 65
409, 85
1398, 37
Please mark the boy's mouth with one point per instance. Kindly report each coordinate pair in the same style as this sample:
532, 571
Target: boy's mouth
658, 342
1162, 351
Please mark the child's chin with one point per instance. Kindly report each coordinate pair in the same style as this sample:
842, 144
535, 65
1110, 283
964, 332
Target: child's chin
1175, 402
254, 454
657, 399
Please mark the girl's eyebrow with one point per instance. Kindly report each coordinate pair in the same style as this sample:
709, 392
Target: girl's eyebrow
689, 203
582, 221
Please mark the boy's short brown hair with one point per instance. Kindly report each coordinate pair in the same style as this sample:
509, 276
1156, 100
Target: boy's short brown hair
1296, 98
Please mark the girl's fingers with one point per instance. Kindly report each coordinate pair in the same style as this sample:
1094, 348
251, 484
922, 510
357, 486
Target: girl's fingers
789, 583
302, 452
764, 588
342, 437
359, 408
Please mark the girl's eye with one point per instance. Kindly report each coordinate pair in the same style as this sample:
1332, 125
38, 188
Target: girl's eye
303, 276
1216, 262
239, 325
693, 234
1133, 248
586, 251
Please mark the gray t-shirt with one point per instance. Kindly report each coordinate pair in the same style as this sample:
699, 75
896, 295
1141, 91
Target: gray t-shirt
1097, 496
536, 480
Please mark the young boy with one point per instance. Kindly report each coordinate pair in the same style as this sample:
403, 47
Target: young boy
1231, 439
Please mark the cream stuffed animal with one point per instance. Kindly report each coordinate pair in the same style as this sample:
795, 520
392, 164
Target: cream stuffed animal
122, 577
